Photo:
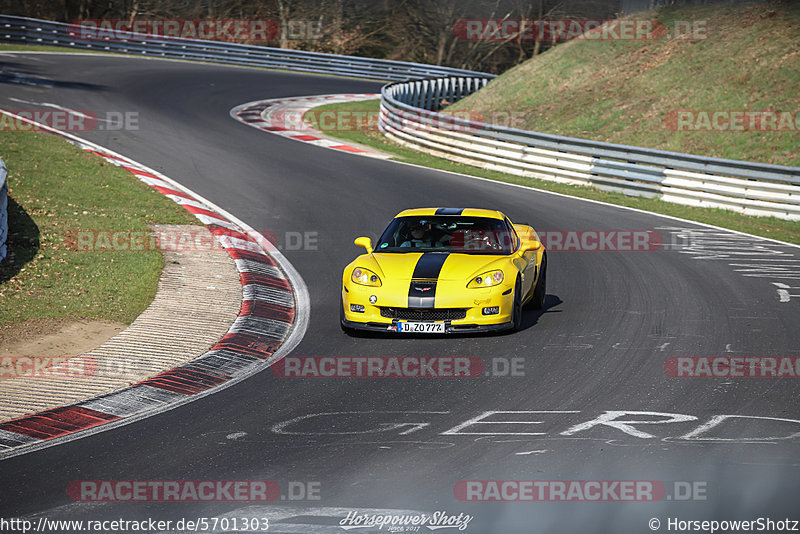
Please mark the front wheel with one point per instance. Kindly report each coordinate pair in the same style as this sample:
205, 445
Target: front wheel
346, 329
516, 314
540, 292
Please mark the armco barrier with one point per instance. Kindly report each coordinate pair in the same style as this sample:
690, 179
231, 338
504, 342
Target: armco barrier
3, 210
409, 116
42, 32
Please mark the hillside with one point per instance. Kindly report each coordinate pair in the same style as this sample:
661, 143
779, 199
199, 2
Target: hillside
742, 60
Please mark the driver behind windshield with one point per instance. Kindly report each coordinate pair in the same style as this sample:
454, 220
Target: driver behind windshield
468, 235
420, 237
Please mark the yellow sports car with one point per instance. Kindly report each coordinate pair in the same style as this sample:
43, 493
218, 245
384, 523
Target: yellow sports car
445, 270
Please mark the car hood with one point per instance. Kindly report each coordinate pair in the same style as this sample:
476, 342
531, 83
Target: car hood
434, 265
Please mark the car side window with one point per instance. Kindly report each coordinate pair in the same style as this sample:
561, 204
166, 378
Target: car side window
513, 233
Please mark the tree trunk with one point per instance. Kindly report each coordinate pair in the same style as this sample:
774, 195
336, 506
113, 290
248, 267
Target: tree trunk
283, 16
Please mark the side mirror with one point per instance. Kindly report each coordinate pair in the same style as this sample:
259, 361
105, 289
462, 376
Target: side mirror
528, 246
364, 242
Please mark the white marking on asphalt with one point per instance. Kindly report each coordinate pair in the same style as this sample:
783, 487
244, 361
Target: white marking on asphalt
718, 419
236, 436
56, 106
783, 291
750, 256
531, 452
479, 420
281, 428
625, 421
610, 419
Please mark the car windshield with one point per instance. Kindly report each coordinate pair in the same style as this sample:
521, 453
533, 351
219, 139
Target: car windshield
468, 235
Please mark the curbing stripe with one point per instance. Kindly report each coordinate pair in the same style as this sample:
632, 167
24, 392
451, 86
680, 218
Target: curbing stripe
352, 149
248, 278
9, 439
271, 116
59, 422
267, 321
268, 295
246, 344
224, 361
131, 400
195, 210
266, 310
247, 266
260, 326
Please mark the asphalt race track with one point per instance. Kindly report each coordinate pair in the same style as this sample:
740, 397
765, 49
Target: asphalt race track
391, 445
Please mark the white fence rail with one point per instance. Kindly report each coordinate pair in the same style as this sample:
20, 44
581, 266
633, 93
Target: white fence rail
409, 116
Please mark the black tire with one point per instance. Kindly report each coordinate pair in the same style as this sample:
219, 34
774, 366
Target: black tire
516, 315
346, 329
540, 292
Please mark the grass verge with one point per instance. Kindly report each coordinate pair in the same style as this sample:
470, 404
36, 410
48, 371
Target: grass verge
56, 188
13, 47
704, 87
771, 227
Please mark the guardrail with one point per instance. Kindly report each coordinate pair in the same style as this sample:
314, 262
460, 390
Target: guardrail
3, 210
42, 32
409, 116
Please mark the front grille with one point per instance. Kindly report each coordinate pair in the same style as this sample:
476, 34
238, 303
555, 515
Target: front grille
424, 314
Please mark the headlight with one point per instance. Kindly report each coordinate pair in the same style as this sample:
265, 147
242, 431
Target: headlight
490, 279
365, 277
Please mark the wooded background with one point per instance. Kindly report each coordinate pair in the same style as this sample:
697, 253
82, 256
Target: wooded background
407, 30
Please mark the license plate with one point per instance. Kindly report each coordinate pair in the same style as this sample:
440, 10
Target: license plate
427, 328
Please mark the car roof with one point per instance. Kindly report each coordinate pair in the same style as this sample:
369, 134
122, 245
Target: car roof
465, 212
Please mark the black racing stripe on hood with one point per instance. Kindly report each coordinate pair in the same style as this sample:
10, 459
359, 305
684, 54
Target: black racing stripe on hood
449, 211
429, 265
422, 294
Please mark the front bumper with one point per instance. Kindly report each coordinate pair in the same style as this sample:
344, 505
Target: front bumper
449, 328
472, 301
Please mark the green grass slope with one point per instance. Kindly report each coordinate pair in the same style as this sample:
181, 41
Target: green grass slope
742, 57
